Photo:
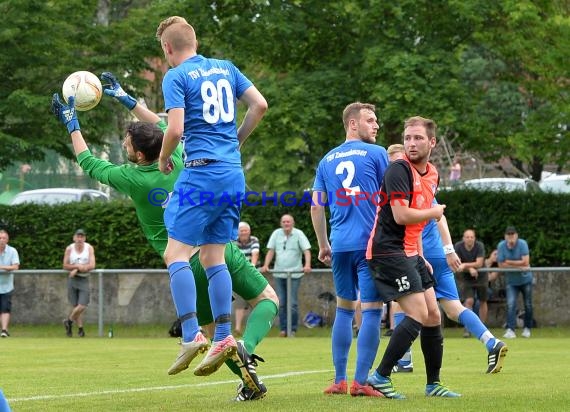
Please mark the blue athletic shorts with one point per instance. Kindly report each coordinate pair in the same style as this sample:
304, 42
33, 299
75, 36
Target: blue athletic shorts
445, 286
205, 204
351, 273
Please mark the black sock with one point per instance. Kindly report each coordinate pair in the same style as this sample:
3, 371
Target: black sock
432, 347
401, 339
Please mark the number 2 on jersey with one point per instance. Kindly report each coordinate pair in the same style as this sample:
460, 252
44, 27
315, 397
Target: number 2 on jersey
350, 171
218, 101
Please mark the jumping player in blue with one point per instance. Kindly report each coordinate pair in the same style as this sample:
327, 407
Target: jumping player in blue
348, 179
200, 96
442, 260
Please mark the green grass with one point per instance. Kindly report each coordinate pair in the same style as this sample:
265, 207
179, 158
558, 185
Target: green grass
41, 370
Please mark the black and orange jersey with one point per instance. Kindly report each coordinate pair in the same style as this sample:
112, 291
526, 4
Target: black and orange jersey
401, 181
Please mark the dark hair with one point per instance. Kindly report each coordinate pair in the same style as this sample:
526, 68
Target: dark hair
146, 138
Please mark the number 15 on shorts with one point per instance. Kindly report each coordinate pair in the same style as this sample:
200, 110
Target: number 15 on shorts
403, 284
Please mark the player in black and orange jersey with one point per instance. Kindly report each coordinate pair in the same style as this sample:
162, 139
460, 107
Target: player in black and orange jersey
395, 257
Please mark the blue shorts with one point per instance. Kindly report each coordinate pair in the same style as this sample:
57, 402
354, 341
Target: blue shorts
350, 274
205, 204
445, 286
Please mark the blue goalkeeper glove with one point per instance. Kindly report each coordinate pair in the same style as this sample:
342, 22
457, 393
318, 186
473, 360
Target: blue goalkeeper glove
111, 87
65, 113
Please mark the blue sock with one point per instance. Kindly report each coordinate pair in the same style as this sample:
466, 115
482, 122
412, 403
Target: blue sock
183, 289
407, 358
367, 343
472, 322
220, 293
4, 407
341, 341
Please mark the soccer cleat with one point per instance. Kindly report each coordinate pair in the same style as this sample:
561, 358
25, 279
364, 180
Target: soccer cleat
247, 364
384, 385
496, 357
436, 389
399, 368
246, 394
357, 389
219, 352
67, 324
510, 334
188, 351
525, 333
4, 333
337, 389
81, 333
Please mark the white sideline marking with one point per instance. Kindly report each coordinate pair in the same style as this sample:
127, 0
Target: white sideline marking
158, 388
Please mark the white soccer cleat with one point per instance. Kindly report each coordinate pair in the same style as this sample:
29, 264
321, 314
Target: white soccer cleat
188, 351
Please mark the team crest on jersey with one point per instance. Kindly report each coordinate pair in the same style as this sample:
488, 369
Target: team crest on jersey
433, 188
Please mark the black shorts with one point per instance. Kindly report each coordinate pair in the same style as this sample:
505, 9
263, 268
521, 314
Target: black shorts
399, 275
6, 302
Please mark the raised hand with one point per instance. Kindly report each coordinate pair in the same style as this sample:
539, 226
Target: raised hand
111, 87
65, 113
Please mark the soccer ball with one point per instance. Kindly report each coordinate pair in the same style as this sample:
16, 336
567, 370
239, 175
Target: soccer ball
86, 87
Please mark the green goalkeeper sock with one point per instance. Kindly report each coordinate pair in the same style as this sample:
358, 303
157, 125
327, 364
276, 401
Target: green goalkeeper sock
259, 323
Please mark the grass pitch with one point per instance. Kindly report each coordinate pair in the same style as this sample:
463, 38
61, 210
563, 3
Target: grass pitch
42, 370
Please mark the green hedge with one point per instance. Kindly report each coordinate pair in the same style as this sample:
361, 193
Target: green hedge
41, 233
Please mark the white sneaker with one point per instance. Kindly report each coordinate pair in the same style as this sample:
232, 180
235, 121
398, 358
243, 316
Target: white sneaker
510, 334
188, 351
526, 333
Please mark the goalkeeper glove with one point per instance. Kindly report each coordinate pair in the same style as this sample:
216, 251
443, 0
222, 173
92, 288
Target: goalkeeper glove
111, 87
65, 113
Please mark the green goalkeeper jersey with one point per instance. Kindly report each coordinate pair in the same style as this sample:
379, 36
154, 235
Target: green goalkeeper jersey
140, 183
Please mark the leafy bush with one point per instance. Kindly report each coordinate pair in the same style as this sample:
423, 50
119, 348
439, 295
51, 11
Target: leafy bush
41, 233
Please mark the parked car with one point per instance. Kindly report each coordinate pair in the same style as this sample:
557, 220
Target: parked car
507, 184
556, 183
59, 195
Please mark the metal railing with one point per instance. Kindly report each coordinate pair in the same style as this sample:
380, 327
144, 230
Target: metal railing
101, 272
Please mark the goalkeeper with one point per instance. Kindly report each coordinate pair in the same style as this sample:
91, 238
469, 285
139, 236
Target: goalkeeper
140, 181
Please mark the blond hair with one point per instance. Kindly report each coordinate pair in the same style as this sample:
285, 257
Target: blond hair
395, 148
177, 32
353, 111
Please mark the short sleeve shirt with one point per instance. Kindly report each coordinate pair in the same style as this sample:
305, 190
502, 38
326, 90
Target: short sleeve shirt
516, 253
288, 252
7, 258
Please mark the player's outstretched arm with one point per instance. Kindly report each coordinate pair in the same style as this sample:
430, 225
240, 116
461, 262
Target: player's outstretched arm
67, 115
112, 87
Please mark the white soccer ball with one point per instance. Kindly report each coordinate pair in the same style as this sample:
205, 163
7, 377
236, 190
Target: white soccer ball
85, 87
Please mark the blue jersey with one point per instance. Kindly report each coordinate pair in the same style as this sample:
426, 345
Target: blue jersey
431, 241
351, 175
207, 90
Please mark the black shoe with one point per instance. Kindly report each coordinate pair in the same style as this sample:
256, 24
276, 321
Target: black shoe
4, 333
389, 332
246, 394
81, 333
247, 364
496, 357
67, 323
398, 368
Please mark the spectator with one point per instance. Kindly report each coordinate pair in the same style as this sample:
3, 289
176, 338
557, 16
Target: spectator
472, 255
455, 172
288, 245
9, 261
491, 262
79, 260
513, 253
249, 245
